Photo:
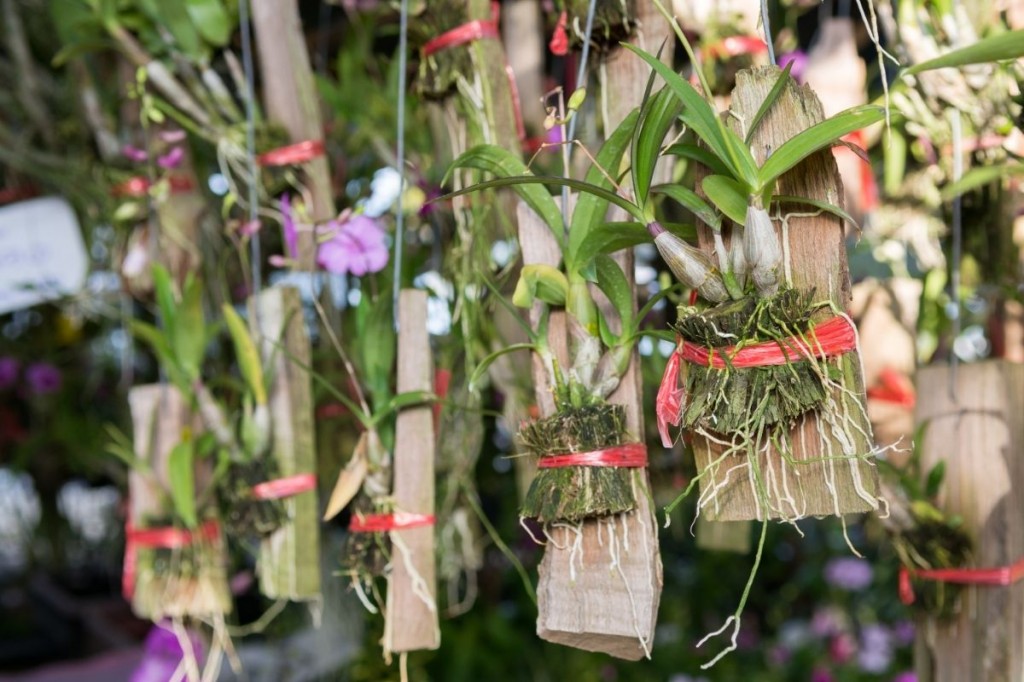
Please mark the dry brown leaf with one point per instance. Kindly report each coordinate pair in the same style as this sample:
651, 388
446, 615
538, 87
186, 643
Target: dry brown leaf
350, 480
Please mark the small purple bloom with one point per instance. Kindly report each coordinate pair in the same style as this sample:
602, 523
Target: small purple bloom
8, 372
175, 136
821, 675
42, 378
171, 159
291, 233
134, 153
828, 621
875, 653
799, 60
906, 676
163, 654
357, 246
848, 573
903, 632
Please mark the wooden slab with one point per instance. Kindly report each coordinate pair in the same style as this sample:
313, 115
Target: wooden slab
411, 622
978, 430
817, 255
289, 559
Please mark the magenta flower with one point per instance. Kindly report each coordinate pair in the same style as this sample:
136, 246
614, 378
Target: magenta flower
8, 372
134, 153
906, 676
291, 233
842, 647
848, 573
42, 378
163, 654
357, 246
799, 60
171, 159
175, 136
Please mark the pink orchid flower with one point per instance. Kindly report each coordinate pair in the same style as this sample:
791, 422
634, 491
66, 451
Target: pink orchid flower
357, 245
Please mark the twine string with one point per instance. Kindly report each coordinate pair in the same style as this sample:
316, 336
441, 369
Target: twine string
256, 272
629, 455
999, 576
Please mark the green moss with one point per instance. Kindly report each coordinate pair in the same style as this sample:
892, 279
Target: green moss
242, 514
614, 22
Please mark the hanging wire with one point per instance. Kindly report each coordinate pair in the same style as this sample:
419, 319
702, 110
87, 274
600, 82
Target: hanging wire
954, 278
250, 144
767, 32
403, 49
581, 80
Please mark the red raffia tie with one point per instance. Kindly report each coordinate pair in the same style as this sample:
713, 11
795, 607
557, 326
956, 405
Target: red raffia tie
471, 31
165, 537
828, 339
284, 487
1001, 576
293, 154
633, 455
559, 44
734, 46
380, 523
893, 387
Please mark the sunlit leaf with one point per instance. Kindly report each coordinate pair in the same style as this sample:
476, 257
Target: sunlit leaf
1009, 45
663, 109
246, 354
211, 19
689, 200
773, 96
540, 282
701, 155
181, 476
979, 177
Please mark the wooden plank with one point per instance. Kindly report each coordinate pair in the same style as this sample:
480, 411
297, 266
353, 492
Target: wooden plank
289, 559
411, 622
978, 430
817, 258
581, 603
290, 98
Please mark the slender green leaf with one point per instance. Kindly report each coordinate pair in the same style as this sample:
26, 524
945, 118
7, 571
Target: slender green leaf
773, 96
895, 161
165, 298
609, 238
693, 203
540, 282
727, 194
181, 476
173, 16
646, 150
246, 354
211, 19
653, 301
646, 105
613, 284
188, 338
591, 209
526, 180
821, 205
489, 360
742, 158
507, 166
1009, 45
935, 478
692, 152
401, 401
818, 136
979, 177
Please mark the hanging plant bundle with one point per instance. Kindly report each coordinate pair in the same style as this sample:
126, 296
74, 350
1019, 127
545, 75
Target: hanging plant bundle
614, 22
933, 543
574, 493
441, 64
244, 513
366, 554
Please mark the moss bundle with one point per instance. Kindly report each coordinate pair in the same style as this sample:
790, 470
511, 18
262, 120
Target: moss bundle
730, 399
614, 22
929, 545
574, 493
365, 556
440, 71
243, 514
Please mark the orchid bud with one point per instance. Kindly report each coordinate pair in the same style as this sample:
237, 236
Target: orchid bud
692, 267
762, 250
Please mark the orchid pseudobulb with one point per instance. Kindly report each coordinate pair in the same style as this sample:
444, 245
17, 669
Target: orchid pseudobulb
762, 250
691, 266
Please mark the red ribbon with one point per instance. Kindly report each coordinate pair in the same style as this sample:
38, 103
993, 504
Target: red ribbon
559, 44
633, 455
893, 387
284, 487
138, 186
379, 523
828, 339
734, 46
165, 537
1000, 576
469, 32
293, 154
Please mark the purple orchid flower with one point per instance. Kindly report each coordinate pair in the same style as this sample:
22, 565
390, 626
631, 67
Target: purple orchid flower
357, 246
848, 573
799, 59
163, 654
134, 153
171, 159
8, 372
291, 232
42, 378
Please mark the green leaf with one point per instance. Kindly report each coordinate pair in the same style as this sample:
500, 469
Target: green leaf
165, 299
697, 113
611, 237
649, 306
895, 162
612, 198
246, 354
188, 338
489, 360
689, 200
743, 160
701, 155
979, 177
591, 209
401, 401
728, 196
818, 136
540, 282
1009, 45
821, 205
181, 476
935, 478
211, 19
613, 284
174, 16
662, 111
507, 166
773, 96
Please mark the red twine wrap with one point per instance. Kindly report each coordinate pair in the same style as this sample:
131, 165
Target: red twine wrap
293, 154
632, 455
833, 337
1001, 576
559, 44
893, 387
165, 537
469, 32
380, 523
284, 487
734, 46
